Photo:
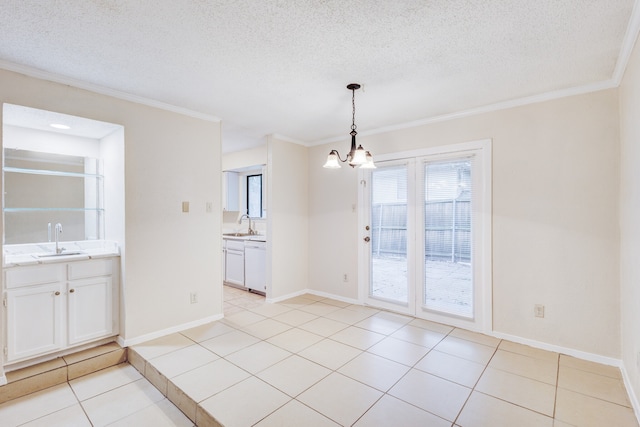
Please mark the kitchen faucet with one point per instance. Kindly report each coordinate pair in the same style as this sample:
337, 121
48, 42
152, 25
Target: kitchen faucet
57, 233
251, 230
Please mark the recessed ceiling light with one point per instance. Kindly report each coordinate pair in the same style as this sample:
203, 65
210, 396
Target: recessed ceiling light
59, 126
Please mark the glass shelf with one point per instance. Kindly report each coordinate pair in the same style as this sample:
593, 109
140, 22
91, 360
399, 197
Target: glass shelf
53, 209
47, 188
51, 173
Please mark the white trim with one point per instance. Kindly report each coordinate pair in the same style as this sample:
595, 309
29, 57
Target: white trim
440, 149
3, 380
286, 297
335, 297
161, 333
504, 105
592, 357
628, 385
285, 138
630, 37
52, 77
484, 308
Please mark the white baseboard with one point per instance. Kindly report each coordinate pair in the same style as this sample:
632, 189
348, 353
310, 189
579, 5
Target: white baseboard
286, 297
592, 357
313, 292
332, 296
630, 391
157, 334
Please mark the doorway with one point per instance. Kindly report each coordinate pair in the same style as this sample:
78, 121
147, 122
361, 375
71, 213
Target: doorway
425, 228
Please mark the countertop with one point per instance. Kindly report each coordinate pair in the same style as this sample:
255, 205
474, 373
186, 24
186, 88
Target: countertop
253, 237
43, 253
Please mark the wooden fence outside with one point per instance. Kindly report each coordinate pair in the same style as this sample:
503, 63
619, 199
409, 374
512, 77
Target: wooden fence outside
447, 229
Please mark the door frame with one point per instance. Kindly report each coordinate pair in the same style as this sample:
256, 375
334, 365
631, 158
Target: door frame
483, 319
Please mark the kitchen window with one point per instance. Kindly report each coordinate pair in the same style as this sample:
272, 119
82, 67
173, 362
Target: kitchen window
254, 196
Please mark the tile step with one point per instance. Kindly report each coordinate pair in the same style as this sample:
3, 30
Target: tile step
34, 378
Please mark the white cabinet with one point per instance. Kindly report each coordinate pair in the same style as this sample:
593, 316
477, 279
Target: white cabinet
231, 191
89, 300
34, 321
56, 306
234, 262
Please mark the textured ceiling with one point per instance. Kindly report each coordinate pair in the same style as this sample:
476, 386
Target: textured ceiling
281, 66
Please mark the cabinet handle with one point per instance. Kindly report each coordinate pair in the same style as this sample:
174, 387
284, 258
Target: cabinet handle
71, 291
57, 293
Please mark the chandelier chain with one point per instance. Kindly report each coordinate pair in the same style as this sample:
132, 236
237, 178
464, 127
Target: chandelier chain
353, 109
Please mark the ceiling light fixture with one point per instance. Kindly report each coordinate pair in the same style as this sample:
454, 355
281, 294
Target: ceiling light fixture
357, 156
59, 126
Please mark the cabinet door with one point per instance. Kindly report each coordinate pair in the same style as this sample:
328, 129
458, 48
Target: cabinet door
234, 271
231, 191
34, 320
90, 308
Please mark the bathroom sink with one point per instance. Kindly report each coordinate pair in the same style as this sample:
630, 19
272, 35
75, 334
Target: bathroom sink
53, 254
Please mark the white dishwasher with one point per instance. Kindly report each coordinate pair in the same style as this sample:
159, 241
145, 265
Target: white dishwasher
255, 266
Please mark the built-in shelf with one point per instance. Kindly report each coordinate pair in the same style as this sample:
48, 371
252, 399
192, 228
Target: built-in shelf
54, 209
50, 172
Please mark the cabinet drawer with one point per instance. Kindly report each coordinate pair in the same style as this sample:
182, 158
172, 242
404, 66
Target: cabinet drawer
237, 245
36, 275
93, 268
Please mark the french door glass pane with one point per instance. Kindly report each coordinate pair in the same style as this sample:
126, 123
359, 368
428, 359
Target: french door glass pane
389, 234
448, 285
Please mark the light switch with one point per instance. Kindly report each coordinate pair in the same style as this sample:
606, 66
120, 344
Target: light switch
185, 206
209, 207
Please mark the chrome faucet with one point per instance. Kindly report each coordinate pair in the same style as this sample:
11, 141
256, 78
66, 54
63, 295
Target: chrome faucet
58, 232
251, 230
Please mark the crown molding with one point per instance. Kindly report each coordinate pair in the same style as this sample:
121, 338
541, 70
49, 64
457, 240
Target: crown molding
629, 41
56, 78
564, 93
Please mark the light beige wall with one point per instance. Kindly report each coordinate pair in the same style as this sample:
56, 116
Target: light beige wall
287, 220
629, 218
242, 159
555, 208
169, 158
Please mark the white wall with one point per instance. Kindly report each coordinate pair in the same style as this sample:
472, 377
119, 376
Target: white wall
555, 209
169, 158
630, 218
287, 218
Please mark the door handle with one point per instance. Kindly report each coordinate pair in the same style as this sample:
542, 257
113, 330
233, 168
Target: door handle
367, 239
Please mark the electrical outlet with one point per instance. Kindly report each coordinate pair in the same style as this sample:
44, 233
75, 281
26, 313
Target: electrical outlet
538, 310
193, 297
345, 278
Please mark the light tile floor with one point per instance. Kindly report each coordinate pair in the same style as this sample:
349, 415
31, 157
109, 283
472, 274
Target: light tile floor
319, 362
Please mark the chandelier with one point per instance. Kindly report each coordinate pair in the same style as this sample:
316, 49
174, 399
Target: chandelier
356, 156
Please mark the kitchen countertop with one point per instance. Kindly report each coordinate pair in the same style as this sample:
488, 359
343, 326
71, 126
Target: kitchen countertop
253, 237
43, 253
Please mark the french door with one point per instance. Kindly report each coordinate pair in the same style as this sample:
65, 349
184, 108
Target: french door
425, 228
